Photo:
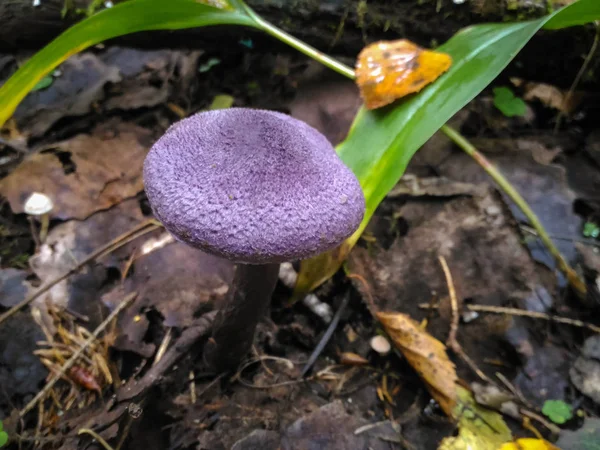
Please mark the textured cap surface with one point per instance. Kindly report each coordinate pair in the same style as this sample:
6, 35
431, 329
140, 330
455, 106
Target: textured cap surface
252, 186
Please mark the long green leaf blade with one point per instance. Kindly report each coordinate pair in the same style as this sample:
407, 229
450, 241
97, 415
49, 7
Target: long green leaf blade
125, 18
381, 142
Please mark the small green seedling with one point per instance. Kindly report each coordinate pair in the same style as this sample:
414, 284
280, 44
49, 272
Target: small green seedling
507, 103
3, 435
591, 230
557, 411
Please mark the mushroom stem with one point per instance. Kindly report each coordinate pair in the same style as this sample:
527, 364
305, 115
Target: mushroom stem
45, 223
246, 304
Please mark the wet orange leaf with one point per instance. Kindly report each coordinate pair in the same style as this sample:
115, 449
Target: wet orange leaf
426, 355
389, 70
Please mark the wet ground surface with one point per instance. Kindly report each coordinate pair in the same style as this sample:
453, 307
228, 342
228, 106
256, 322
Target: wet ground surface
82, 140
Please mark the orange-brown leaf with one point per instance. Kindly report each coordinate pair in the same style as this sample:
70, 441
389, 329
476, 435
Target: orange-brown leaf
389, 70
426, 355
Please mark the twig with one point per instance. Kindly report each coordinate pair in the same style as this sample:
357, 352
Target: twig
521, 312
504, 184
189, 337
328, 333
96, 436
163, 346
67, 365
553, 428
134, 233
452, 342
582, 70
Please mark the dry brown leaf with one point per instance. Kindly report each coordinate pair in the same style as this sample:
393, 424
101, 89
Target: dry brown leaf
551, 96
426, 355
99, 171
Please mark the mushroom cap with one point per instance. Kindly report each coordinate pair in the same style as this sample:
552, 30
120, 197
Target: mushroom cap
252, 186
38, 204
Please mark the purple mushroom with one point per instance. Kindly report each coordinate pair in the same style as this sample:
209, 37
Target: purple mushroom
258, 188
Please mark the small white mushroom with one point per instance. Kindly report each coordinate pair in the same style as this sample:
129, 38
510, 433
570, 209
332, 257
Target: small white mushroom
39, 205
381, 345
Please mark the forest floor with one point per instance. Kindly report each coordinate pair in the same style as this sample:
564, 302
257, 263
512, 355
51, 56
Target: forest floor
82, 140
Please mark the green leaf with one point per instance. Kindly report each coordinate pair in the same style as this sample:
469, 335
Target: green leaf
381, 142
3, 438
557, 411
507, 103
591, 230
125, 18
43, 83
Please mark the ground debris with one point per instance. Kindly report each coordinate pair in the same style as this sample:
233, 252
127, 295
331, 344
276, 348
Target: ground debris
21, 372
333, 428
585, 372
175, 280
82, 175
68, 243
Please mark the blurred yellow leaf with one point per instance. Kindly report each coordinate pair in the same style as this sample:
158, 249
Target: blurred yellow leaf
426, 355
529, 444
479, 428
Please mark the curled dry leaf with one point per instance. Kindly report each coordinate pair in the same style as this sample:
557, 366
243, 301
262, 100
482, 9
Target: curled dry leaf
427, 355
389, 70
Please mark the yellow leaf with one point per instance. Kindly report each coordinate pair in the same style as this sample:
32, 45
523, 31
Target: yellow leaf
529, 444
426, 355
479, 428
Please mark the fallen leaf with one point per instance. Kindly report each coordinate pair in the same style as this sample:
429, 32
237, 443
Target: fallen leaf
69, 243
426, 355
389, 70
333, 428
176, 280
21, 372
585, 438
552, 97
529, 444
82, 175
585, 373
478, 428
13, 287
80, 84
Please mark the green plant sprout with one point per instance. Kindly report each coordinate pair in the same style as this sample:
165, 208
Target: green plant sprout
3, 435
557, 411
508, 104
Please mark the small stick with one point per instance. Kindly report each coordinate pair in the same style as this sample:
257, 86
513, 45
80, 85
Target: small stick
67, 365
328, 333
452, 342
163, 347
577, 283
191, 377
134, 233
582, 70
96, 436
523, 313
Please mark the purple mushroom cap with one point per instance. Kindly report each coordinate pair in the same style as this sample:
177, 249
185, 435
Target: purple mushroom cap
252, 186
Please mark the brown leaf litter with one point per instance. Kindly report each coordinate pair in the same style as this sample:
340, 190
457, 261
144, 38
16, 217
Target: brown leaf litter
82, 175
